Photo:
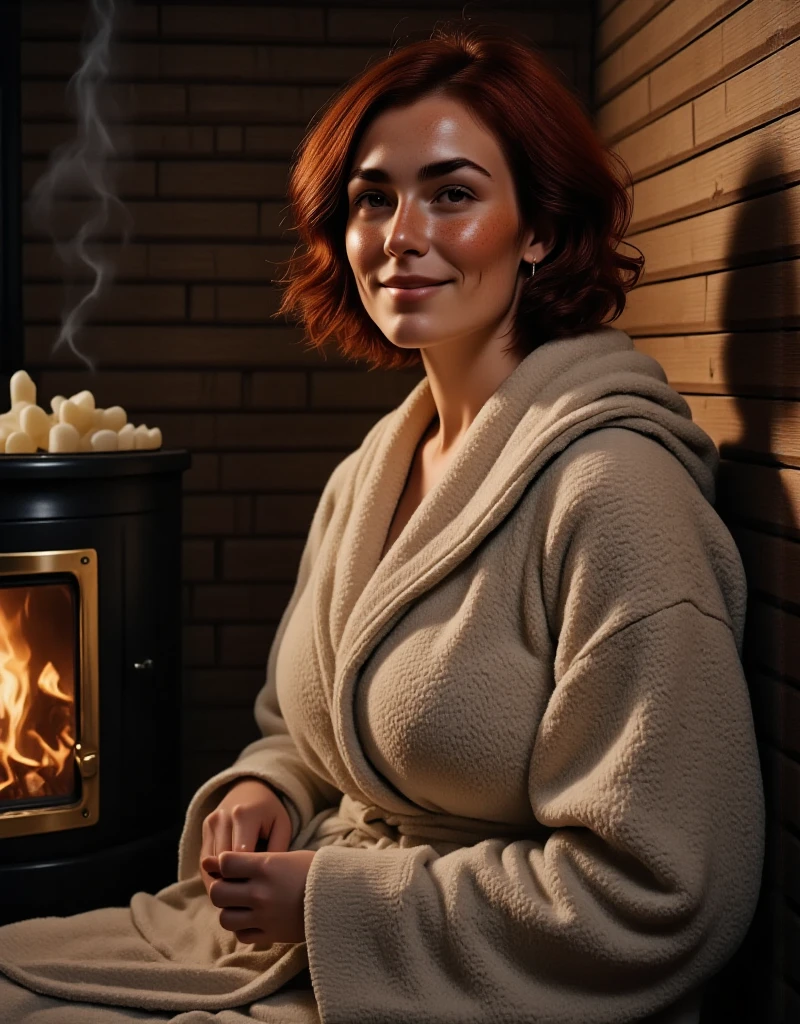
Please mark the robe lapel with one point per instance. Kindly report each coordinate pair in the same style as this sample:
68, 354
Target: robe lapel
556, 394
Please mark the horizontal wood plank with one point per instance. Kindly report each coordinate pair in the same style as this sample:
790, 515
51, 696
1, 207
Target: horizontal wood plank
763, 92
760, 229
767, 428
752, 33
758, 494
670, 30
724, 364
752, 163
765, 296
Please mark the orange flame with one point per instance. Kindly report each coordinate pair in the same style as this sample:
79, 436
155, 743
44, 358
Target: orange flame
37, 736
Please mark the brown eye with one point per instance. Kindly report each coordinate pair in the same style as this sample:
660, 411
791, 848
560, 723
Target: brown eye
453, 190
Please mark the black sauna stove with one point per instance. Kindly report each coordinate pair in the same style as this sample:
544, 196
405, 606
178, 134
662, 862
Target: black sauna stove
90, 685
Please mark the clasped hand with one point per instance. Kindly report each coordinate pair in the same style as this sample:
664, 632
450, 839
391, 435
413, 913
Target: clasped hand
260, 894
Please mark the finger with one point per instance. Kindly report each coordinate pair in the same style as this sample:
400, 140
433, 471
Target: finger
280, 836
233, 895
223, 834
241, 865
211, 867
235, 919
245, 828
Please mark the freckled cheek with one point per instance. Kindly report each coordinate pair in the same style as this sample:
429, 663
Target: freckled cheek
476, 242
361, 245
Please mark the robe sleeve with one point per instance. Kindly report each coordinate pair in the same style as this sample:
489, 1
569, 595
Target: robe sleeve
644, 767
274, 758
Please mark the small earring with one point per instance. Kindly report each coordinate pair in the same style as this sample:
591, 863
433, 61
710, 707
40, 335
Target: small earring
533, 267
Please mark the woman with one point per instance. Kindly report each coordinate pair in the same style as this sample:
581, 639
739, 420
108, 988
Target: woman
508, 769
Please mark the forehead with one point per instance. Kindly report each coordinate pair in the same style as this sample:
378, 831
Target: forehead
431, 128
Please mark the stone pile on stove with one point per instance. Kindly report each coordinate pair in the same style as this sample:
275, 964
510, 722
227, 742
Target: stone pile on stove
74, 424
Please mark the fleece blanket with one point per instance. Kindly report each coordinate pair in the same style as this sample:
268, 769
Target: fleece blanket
521, 743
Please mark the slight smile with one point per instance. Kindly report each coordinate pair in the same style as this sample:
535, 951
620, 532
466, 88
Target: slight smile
414, 293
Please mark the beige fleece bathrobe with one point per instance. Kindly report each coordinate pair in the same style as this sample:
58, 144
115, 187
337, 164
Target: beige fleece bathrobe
521, 743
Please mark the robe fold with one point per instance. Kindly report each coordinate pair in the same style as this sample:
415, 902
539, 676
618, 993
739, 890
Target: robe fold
521, 743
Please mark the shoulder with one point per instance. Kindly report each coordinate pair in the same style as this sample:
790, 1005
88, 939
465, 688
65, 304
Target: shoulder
623, 517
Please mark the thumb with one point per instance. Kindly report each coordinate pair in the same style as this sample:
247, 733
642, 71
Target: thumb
280, 835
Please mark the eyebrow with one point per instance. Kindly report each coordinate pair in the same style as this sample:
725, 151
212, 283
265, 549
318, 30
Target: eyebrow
425, 173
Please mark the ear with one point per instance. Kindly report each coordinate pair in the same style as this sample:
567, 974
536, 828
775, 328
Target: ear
541, 240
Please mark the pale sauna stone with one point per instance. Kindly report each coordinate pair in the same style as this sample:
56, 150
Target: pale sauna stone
104, 441
19, 443
78, 415
55, 403
153, 438
114, 417
84, 398
63, 438
22, 388
140, 437
35, 422
97, 419
85, 443
125, 438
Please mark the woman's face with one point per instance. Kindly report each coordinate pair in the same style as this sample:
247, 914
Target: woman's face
459, 226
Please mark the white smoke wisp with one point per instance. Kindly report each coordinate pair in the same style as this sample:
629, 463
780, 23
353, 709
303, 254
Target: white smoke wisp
83, 164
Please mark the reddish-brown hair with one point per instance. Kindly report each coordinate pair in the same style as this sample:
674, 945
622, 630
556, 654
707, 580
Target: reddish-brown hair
566, 182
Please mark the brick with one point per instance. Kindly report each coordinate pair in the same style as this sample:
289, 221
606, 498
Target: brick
65, 17
117, 303
187, 430
220, 728
274, 220
194, 220
177, 346
277, 140
247, 303
186, 602
41, 261
126, 178
119, 101
313, 97
335, 64
64, 220
198, 646
243, 645
246, 102
205, 514
219, 22
207, 62
222, 179
215, 262
241, 602
261, 559
224, 687
128, 60
202, 303
144, 390
270, 430
278, 471
354, 389
285, 390
203, 474
230, 139
287, 515
198, 560
348, 24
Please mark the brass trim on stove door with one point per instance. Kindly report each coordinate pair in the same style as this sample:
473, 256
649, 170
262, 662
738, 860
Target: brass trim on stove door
81, 563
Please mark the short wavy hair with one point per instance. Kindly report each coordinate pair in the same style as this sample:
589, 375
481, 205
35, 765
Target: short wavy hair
565, 179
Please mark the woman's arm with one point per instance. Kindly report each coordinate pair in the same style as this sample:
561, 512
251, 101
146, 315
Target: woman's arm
645, 766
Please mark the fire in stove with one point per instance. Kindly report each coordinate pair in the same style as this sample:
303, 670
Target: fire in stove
37, 693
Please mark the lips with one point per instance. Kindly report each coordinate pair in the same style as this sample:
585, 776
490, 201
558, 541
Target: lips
413, 294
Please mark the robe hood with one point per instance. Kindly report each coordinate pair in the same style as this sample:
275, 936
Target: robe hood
561, 391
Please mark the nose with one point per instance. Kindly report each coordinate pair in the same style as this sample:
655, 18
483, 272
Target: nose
407, 230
